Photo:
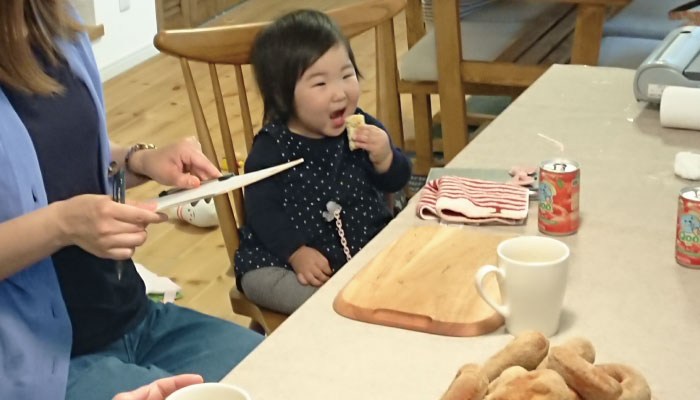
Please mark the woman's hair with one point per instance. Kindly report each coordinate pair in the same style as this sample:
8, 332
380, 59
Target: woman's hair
26, 27
284, 50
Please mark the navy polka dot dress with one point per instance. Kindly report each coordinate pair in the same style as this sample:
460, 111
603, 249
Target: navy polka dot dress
285, 211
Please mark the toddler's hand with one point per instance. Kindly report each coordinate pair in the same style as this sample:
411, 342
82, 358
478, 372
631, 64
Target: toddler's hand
311, 266
376, 142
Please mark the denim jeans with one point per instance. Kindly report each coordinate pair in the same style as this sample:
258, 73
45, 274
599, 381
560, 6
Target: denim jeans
170, 340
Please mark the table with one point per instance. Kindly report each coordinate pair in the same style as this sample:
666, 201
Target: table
626, 293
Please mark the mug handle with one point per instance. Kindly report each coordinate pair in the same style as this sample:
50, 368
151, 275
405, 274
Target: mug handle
479, 281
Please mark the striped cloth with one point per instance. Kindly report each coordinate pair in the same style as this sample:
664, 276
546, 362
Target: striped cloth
473, 201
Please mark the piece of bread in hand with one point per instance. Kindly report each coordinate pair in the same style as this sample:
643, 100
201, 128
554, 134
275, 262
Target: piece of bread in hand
351, 124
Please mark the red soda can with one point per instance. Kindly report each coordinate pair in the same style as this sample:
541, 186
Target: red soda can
559, 191
688, 228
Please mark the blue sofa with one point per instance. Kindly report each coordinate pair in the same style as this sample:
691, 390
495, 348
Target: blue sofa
631, 35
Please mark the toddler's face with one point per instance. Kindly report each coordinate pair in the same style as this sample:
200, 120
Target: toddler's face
325, 95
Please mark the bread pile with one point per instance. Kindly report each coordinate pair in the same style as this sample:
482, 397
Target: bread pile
527, 369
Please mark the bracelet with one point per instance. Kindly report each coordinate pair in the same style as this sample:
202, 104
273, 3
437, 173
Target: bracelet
134, 149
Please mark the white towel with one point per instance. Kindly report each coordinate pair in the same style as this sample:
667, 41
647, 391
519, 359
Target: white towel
687, 165
158, 284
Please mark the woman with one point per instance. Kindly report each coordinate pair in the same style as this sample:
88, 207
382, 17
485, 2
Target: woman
69, 323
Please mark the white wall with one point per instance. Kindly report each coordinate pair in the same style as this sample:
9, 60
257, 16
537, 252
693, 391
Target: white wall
86, 9
128, 38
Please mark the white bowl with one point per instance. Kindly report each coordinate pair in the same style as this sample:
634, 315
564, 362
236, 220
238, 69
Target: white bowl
210, 391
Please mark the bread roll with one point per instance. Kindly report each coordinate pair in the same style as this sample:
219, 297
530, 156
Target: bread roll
543, 384
634, 386
581, 346
469, 384
591, 382
527, 350
506, 376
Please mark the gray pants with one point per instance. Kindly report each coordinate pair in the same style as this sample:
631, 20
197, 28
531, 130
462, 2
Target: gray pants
276, 288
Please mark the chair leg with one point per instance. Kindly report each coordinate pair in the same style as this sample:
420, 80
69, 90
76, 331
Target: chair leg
255, 326
262, 320
422, 121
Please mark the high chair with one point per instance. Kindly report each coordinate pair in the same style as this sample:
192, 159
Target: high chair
231, 46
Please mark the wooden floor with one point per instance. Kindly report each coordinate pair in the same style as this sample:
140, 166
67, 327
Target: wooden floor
149, 104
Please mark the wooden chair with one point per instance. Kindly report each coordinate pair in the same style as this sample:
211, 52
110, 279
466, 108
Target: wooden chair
568, 31
175, 14
231, 45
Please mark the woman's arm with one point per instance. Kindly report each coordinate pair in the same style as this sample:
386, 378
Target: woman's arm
93, 222
28, 239
180, 164
119, 155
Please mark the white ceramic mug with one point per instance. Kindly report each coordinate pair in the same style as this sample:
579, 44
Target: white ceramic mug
532, 273
210, 391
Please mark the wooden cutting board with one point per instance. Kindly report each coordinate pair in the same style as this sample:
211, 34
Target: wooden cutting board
425, 281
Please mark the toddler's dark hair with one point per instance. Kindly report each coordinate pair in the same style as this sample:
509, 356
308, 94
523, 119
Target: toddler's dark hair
284, 50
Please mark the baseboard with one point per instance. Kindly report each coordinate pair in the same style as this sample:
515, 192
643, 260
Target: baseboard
110, 71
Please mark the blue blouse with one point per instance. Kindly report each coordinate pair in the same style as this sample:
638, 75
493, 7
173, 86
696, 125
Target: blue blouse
35, 330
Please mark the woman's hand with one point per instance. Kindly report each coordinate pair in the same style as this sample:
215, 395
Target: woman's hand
103, 227
311, 266
376, 142
161, 388
181, 164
